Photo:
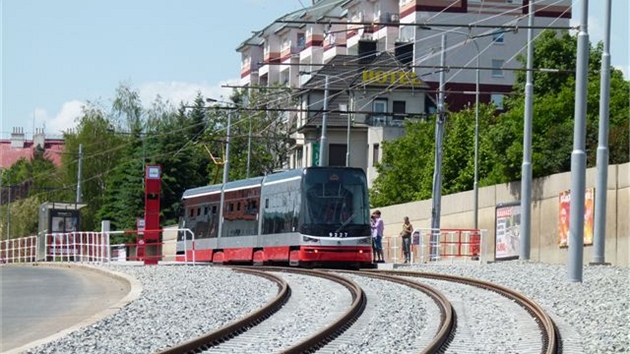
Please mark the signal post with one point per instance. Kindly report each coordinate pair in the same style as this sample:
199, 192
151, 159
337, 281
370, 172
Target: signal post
151, 237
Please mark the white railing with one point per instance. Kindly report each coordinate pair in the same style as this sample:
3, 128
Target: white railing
82, 247
19, 250
448, 244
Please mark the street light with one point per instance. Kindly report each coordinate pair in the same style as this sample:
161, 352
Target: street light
476, 143
249, 135
476, 162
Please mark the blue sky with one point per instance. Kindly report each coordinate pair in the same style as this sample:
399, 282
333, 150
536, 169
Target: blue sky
58, 54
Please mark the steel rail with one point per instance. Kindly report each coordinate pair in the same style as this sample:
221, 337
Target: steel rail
551, 335
237, 327
308, 345
325, 336
448, 321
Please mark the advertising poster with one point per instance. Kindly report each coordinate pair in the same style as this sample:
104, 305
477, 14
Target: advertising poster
64, 221
564, 212
507, 231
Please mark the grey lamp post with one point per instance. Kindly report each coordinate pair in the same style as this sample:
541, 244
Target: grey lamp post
476, 142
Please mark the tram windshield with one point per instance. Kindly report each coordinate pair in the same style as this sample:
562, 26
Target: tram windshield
335, 197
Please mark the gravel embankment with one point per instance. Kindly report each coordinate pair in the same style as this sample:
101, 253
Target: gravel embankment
593, 316
178, 303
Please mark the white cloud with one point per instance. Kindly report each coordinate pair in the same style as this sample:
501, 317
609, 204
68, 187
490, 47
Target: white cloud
65, 119
625, 69
174, 92
179, 91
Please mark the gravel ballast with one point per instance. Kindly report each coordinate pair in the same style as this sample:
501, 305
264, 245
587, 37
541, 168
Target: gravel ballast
180, 302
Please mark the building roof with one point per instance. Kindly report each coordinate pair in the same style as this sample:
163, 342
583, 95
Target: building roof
317, 11
10, 155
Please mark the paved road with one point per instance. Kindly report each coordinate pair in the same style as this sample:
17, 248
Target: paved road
39, 301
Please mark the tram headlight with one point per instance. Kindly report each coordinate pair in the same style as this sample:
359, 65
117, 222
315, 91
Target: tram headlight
364, 241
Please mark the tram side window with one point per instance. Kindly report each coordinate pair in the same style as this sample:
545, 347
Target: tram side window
281, 208
251, 207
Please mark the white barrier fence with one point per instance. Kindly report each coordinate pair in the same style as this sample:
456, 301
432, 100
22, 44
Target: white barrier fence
438, 245
95, 247
19, 250
82, 247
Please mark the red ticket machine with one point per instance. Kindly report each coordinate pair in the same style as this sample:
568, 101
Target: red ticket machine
152, 183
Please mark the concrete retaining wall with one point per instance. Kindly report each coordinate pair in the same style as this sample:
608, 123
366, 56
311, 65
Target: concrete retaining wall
457, 211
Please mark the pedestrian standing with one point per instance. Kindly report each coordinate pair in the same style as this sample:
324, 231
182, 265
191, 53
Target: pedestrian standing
378, 228
407, 229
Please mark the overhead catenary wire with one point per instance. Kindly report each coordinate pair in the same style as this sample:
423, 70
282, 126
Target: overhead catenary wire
393, 86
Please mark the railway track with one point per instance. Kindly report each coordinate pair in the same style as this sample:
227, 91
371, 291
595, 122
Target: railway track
550, 340
242, 335
236, 333
444, 329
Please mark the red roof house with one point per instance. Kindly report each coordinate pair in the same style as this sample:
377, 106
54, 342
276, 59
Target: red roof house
11, 150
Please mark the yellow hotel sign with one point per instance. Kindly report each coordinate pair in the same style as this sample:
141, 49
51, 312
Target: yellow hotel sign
400, 78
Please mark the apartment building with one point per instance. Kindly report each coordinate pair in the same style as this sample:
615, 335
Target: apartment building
382, 61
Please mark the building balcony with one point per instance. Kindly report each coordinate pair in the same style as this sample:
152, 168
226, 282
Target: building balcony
392, 120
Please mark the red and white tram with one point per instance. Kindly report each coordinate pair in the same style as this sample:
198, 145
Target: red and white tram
314, 216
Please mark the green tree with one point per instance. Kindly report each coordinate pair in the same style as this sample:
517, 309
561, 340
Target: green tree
26, 182
406, 169
123, 201
102, 150
501, 135
398, 181
553, 115
177, 150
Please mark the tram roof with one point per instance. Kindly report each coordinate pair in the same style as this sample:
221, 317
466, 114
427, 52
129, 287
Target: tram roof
283, 175
216, 188
250, 182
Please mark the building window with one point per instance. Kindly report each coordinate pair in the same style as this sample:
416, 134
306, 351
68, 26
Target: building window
498, 37
377, 11
337, 154
379, 108
406, 33
301, 41
298, 156
375, 154
497, 100
497, 64
399, 109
